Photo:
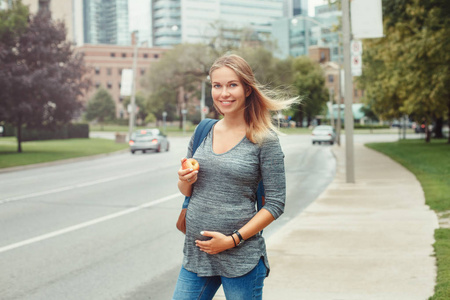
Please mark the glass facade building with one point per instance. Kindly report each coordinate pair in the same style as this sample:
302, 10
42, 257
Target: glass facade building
295, 35
180, 21
106, 22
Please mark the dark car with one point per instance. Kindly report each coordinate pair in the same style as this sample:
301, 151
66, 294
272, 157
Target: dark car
148, 139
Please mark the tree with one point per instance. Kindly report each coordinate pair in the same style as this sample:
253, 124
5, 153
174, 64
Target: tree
408, 71
309, 81
101, 107
40, 77
177, 75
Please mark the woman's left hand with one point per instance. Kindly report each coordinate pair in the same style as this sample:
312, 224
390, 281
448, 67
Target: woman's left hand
218, 242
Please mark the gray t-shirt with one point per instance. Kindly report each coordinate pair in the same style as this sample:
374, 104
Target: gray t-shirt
224, 200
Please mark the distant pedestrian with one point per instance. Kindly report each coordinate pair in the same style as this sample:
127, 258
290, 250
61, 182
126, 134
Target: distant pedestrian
239, 151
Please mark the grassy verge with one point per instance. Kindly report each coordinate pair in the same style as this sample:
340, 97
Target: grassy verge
47, 151
431, 165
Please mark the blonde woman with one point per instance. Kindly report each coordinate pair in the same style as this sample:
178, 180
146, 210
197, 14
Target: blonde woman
223, 244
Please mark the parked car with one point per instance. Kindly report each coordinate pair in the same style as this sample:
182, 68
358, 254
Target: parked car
148, 139
323, 134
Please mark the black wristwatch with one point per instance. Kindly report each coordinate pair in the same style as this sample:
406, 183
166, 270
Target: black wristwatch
241, 240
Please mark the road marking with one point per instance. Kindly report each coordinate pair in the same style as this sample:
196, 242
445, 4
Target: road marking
86, 224
71, 187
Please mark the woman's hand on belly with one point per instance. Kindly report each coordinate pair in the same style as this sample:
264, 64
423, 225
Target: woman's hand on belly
218, 242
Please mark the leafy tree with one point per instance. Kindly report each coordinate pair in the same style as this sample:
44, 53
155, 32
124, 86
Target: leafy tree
408, 71
40, 77
177, 75
101, 107
309, 81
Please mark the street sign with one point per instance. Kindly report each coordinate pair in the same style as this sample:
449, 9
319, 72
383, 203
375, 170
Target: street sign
356, 47
126, 84
367, 19
356, 57
356, 64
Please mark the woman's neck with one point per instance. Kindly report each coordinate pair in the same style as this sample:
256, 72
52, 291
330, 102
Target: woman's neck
234, 121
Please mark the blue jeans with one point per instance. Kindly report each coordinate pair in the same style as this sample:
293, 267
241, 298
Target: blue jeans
247, 287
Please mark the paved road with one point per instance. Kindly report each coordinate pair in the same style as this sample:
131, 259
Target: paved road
104, 228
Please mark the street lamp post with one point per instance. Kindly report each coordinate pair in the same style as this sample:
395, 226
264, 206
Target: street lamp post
349, 162
133, 87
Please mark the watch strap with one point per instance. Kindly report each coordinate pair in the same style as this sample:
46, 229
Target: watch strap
241, 240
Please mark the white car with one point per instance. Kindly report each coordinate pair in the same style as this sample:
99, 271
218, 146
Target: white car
323, 134
148, 139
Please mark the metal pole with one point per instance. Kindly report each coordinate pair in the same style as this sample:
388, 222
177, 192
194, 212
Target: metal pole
202, 101
331, 92
133, 88
349, 163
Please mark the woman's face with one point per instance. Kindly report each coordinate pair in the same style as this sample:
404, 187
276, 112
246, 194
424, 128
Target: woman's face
227, 91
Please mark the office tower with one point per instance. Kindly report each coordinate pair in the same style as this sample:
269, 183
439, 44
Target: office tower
296, 8
70, 12
181, 21
106, 22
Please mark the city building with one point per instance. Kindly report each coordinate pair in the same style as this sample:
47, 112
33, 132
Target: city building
105, 22
69, 12
295, 35
191, 21
296, 8
106, 63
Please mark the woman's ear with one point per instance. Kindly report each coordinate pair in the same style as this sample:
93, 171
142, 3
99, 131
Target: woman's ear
248, 91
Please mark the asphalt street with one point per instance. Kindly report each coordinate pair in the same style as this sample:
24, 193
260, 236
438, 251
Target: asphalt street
105, 228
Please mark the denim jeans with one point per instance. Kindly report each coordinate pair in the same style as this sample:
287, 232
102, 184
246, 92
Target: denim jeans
247, 287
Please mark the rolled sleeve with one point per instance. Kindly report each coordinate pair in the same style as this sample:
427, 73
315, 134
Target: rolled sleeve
273, 176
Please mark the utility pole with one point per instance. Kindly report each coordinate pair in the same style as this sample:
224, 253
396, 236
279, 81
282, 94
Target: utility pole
133, 87
349, 162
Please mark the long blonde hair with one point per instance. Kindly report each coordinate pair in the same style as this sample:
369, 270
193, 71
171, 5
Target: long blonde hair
259, 104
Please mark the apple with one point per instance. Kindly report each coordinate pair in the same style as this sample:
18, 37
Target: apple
190, 163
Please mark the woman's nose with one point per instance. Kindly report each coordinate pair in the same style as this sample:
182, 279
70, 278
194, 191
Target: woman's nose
225, 92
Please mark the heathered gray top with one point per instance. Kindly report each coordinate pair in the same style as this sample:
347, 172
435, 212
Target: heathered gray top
224, 200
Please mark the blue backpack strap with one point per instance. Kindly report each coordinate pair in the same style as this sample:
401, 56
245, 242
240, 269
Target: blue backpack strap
260, 196
200, 133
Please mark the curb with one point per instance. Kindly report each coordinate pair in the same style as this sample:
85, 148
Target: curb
61, 162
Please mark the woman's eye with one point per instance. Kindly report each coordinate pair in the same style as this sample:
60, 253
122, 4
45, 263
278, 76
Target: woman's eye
216, 86
233, 85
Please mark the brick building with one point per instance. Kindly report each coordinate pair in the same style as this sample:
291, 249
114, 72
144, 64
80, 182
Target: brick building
106, 63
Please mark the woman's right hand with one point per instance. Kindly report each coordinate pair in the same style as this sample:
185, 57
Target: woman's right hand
188, 176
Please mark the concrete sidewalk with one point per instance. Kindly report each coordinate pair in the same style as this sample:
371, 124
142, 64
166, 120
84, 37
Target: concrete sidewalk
368, 240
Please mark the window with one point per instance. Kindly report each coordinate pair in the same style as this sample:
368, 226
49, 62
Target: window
97, 70
120, 99
109, 85
142, 71
97, 84
108, 71
120, 85
124, 55
330, 78
355, 92
145, 55
156, 56
120, 71
113, 54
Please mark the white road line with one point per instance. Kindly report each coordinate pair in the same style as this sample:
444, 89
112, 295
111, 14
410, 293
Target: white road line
86, 224
71, 187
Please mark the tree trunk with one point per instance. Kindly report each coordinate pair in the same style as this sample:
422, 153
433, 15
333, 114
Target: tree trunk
448, 118
427, 133
19, 134
437, 130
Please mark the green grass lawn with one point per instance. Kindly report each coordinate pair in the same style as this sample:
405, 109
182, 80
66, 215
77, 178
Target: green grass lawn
431, 165
45, 151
